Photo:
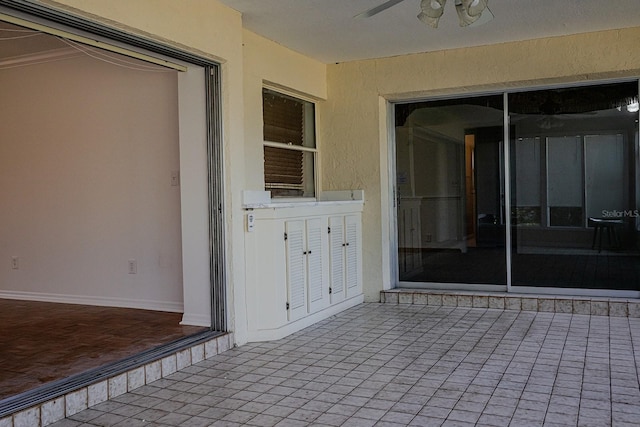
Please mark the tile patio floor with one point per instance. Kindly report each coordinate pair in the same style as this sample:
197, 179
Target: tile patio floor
398, 365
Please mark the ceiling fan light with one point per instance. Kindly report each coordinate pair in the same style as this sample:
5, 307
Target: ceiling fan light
432, 8
474, 7
432, 22
431, 12
469, 12
467, 19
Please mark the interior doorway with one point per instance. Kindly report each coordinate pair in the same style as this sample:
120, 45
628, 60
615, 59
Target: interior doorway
470, 189
94, 158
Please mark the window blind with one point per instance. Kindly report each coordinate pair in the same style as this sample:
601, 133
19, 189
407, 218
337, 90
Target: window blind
283, 123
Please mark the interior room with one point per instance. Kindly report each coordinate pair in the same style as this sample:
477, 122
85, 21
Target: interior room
91, 222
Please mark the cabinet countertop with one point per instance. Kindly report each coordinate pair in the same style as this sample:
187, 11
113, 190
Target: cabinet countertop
300, 204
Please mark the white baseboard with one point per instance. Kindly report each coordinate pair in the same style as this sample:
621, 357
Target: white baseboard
196, 320
173, 307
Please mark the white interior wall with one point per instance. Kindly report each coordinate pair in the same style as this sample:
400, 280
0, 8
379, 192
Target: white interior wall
87, 151
194, 197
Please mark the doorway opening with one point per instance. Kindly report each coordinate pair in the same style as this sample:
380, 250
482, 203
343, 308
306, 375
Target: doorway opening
93, 158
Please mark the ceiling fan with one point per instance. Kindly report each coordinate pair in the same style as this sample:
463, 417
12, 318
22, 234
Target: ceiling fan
469, 11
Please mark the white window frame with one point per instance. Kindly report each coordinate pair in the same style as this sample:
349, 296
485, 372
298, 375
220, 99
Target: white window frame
313, 150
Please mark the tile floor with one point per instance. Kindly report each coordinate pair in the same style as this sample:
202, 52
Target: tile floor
399, 365
41, 342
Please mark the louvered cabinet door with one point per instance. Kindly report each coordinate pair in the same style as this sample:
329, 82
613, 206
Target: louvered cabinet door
315, 283
353, 255
296, 269
336, 259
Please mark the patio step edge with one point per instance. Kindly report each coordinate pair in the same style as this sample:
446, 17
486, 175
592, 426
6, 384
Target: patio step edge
595, 306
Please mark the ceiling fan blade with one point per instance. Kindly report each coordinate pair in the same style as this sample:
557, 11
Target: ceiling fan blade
374, 11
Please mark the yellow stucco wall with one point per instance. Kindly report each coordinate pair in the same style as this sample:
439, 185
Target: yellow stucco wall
266, 62
355, 129
200, 26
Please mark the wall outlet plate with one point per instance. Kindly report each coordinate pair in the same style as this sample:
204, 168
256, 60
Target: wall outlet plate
133, 266
251, 222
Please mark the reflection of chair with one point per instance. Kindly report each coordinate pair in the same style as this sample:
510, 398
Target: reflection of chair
609, 226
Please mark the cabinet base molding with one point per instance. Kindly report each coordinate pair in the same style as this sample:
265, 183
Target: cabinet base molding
295, 326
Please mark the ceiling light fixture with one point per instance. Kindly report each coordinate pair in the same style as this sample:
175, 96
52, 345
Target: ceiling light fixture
470, 12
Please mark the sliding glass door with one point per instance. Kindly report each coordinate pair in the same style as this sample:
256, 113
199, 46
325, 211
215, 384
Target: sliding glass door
564, 189
574, 184
451, 191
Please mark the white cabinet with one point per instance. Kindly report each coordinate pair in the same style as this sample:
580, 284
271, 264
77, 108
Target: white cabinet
306, 292
295, 255
345, 257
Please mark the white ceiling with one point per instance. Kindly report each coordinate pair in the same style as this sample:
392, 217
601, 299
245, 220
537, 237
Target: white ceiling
327, 30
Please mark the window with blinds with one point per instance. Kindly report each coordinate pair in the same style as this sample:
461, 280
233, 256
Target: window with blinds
289, 145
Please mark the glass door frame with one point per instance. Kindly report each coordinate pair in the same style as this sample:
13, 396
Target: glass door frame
509, 288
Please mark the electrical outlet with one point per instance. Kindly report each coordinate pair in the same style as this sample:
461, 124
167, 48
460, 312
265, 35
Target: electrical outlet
133, 266
175, 178
251, 222
15, 263
428, 238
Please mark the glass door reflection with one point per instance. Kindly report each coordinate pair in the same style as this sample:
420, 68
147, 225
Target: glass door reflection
574, 188
450, 191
